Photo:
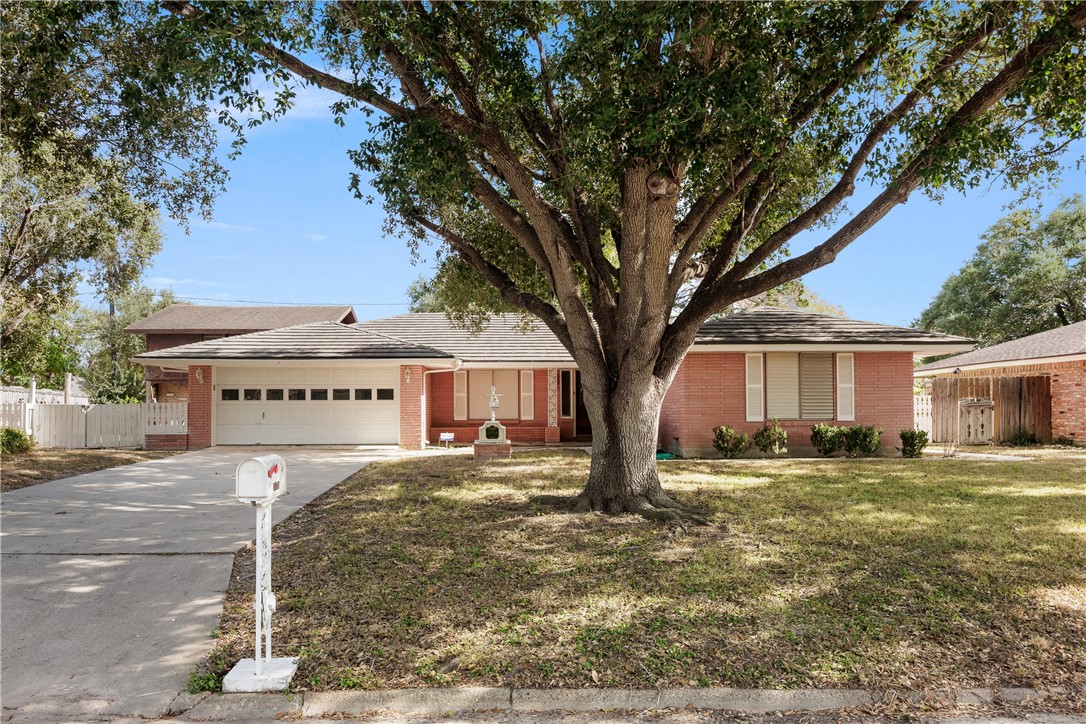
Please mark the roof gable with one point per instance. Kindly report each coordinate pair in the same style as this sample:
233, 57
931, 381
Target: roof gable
207, 319
1059, 342
318, 340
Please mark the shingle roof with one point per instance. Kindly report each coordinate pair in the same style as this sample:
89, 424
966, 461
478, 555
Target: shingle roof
205, 319
1060, 342
766, 325
501, 341
318, 340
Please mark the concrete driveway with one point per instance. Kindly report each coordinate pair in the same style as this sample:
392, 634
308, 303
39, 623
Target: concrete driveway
112, 581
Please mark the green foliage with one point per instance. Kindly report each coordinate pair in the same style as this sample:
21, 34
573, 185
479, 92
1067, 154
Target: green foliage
860, 440
913, 443
109, 376
1064, 441
772, 439
61, 227
14, 441
1024, 439
729, 443
201, 680
1027, 276
826, 439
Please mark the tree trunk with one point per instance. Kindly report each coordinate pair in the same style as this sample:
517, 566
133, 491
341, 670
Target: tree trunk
623, 477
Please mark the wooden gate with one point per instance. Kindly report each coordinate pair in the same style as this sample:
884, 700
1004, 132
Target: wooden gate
1020, 404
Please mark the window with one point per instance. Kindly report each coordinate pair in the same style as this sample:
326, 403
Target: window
460, 395
296, 395
341, 394
567, 393
363, 393
846, 387
252, 395
231, 395
318, 394
755, 411
527, 395
798, 386
273, 395
479, 384
386, 393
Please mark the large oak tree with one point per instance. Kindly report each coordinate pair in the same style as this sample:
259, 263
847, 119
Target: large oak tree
591, 160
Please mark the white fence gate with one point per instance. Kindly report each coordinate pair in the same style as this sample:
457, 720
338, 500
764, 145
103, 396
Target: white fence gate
76, 426
922, 413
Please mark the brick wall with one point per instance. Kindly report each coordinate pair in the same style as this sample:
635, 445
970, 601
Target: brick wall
200, 406
1069, 400
170, 441
411, 382
710, 390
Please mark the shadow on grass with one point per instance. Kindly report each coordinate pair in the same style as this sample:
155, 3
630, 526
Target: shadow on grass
432, 572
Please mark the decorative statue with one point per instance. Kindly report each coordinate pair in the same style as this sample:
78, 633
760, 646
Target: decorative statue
494, 403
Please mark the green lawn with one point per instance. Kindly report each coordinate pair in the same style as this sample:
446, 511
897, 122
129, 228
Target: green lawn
838, 573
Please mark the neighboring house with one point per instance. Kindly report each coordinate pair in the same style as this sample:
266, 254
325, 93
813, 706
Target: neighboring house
407, 379
180, 324
1037, 385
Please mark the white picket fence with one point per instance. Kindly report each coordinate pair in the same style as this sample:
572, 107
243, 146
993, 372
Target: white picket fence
42, 397
78, 426
922, 413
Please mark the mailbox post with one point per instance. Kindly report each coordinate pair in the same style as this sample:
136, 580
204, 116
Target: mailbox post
260, 481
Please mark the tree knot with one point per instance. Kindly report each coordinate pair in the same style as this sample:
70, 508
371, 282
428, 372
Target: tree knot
663, 186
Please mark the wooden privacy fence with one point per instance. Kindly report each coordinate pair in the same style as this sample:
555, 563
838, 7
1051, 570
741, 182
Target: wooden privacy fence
1018, 405
77, 426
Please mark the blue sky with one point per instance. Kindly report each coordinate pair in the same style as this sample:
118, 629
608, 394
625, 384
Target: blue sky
288, 231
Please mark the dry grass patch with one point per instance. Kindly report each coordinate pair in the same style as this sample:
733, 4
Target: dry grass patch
41, 466
838, 573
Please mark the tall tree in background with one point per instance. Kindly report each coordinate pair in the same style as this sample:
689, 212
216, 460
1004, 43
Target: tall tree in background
589, 160
1028, 275
109, 376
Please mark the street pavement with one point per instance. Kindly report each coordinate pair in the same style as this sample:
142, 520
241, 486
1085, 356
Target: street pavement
111, 582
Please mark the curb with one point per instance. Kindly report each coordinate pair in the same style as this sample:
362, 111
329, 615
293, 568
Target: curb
229, 707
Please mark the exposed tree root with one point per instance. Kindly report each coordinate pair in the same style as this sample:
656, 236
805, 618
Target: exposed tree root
659, 507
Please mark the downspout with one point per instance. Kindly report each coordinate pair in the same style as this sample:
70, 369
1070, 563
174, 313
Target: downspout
423, 433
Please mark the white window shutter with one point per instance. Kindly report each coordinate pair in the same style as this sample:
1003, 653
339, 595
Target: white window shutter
755, 412
460, 395
846, 387
527, 395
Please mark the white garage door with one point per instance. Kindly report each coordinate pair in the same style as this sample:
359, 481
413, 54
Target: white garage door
307, 406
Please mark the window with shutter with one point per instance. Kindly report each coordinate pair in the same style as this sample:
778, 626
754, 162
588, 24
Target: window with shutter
527, 395
479, 384
782, 385
460, 395
816, 385
846, 387
755, 413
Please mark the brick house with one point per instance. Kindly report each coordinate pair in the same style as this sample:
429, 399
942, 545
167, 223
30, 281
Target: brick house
1057, 358
180, 324
407, 379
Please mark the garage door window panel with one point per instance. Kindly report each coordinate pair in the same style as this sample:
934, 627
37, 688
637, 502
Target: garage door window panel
274, 395
231, 395
363, 394
340, 394
252, 395
386, 393
296, 394
318, 395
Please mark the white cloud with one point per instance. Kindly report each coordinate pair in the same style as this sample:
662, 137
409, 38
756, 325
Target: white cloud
314, 237
227, 227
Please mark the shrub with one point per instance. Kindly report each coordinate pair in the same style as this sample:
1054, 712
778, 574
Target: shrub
1024, 439
772, 438
860, 441
729, 443
1064, 441
14, 441
913, 443
826, 438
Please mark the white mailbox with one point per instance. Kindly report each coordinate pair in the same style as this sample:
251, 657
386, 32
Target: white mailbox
261, 479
